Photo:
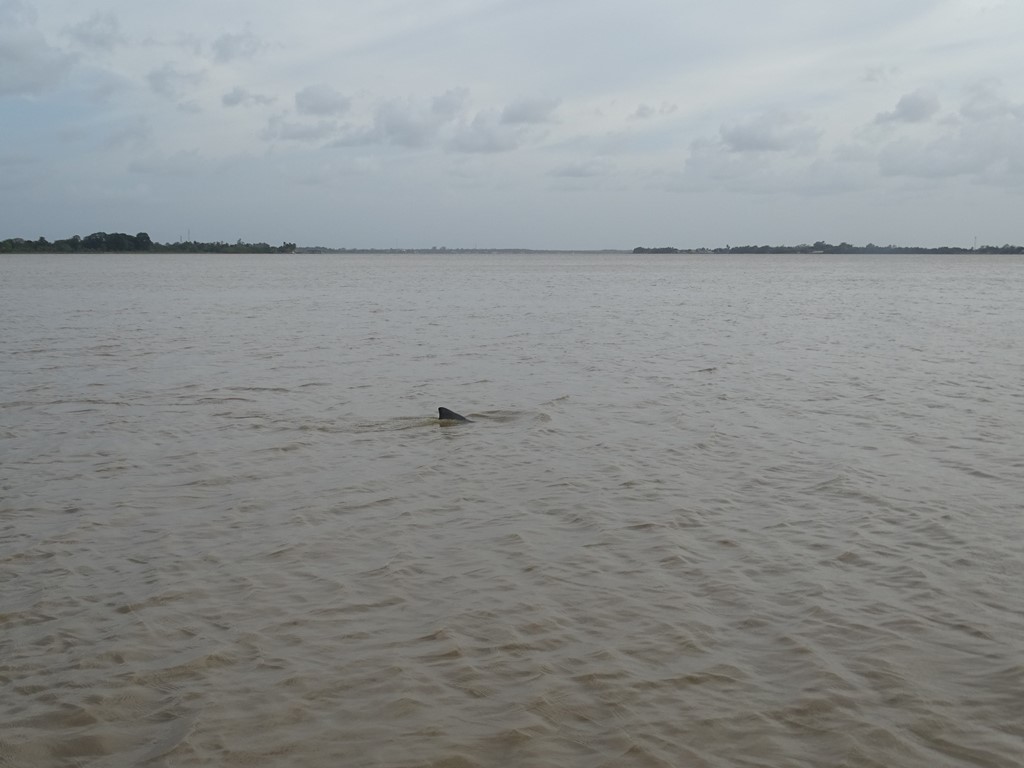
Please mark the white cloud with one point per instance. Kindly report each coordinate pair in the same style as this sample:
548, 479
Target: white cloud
984, 103
279, 127
444, 121
986, 145
581, 170
529, 111
916, 107
28, 63
239, 45
130, 131
646, 111
450, 104
410, 122
404, 123
879, 74
321, 100
99, 31
239, 96
712, 162
173, 83
939, 158
773, 132
486, 132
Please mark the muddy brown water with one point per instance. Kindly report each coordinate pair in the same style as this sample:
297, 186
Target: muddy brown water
711, 511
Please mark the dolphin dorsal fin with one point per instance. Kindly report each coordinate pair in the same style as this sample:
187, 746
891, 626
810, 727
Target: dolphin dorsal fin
444, 413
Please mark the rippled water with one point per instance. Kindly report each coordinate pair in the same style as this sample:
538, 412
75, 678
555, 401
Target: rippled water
712, 511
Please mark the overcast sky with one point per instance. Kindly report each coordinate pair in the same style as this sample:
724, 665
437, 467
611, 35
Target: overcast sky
514, 123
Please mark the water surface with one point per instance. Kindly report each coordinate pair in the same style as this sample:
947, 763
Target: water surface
712, 511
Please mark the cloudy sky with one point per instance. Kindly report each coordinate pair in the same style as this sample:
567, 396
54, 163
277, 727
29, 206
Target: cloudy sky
514, 123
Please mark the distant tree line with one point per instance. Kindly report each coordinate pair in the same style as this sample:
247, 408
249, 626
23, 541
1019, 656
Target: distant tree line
118, 242
822, 247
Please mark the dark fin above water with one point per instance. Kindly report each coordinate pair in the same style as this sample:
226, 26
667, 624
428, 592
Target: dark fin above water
444, 413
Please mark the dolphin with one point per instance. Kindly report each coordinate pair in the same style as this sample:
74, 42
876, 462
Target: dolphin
445, 415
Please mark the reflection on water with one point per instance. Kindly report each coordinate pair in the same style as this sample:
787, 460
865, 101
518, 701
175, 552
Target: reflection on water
711, 511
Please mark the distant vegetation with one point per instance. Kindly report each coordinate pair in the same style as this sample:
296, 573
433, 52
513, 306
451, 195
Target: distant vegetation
823, 247
119, 242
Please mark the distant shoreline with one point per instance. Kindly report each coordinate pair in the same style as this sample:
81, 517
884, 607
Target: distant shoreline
119, 242
843, 248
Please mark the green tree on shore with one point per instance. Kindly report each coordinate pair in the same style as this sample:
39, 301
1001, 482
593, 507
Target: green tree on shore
120, 242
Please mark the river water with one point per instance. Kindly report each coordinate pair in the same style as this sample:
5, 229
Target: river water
711, 511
